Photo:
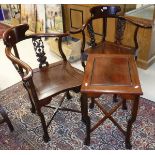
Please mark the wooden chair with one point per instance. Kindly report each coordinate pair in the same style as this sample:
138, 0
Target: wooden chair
46, 81
5, 119
105, 13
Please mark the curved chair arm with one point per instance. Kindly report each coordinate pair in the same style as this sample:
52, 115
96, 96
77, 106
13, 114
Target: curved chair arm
29, 73
138, 22
38, 35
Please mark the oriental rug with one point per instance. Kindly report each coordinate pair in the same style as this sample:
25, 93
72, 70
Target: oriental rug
67, 131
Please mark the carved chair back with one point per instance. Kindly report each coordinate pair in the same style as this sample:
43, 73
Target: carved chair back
111, 12
101, 12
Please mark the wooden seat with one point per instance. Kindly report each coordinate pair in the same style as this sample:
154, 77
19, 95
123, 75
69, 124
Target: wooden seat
46, 81
110, 48
51, 84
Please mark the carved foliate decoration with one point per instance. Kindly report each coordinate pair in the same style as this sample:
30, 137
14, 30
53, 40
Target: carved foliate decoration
120, 30
39, 49
91, 34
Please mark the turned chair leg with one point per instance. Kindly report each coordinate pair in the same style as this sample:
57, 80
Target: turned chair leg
115, 98
6, 119
68, 95
32, 109
124, 106
91, 106
46, 137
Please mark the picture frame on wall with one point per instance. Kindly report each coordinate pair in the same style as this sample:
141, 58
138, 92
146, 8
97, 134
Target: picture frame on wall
28, 16
15, 14
41, 22
6, 13
54, 18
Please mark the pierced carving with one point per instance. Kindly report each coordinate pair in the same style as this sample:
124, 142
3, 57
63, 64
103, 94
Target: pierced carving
91, 34
120, 27
39, 49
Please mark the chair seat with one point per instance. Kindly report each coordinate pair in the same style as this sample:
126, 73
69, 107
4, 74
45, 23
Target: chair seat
56, 78
110, 48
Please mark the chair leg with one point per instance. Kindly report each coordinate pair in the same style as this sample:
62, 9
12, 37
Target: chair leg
91, 106
6, 119
124, 106
46, 137
83, 64
32, 109
68, 95
115, 98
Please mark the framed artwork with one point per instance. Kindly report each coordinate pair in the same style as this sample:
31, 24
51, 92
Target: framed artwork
54, 18
6, 13
28, 15
40, 24
15, 14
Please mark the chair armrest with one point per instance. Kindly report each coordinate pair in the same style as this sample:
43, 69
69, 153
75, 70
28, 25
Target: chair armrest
138, 22
29, 72
38, 35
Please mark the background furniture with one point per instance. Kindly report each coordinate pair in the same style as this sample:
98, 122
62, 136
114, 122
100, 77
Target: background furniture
71, 47
104, 13
5, 118
145, 36
118, 75
48, 80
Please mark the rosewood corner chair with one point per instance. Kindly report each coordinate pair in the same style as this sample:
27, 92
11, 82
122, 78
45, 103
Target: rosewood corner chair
46, 81
104, 46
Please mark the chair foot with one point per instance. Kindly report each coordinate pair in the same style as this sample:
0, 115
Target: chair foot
128, 145
91, 106
46, 138
68, 95
87, 142
115, 98
10, 126
32, 109
83, 120
6, 119
124, 106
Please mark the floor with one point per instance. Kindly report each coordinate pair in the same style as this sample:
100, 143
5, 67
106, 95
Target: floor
9, 76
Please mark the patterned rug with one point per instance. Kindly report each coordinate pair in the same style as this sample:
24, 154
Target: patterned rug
67, 131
